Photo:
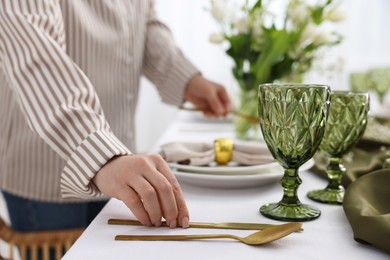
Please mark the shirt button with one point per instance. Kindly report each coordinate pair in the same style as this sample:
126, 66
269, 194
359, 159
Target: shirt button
129, 97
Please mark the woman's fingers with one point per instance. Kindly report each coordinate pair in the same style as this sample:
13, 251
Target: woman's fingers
183, 214
150, 199
224, 97
148, 188
162, 189
207, 95
165, 194
134, 203
181, 206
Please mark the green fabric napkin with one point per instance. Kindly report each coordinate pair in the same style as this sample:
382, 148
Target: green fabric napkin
367, 197
358, 162
361, 163
367, 207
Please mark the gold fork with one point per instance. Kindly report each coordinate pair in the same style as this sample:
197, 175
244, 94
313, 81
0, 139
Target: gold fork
251, 119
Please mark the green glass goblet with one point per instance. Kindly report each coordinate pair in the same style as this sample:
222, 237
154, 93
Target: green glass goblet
292, 120
380, 82
359, 82
346, 124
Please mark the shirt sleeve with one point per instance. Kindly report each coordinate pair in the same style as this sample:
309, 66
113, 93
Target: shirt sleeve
164, 63
57, 99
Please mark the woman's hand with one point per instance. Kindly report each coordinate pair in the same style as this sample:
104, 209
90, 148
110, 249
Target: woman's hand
208, 96
147, 186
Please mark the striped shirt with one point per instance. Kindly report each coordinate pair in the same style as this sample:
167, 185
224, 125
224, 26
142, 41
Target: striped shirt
69, 76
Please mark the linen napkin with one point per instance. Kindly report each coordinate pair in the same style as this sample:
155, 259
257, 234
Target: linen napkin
367, 207
377, 131
358, 163
202, 153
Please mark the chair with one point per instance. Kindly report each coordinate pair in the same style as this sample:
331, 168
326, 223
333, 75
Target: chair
59, 240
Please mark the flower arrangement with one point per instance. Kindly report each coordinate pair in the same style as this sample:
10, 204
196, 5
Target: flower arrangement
273, 40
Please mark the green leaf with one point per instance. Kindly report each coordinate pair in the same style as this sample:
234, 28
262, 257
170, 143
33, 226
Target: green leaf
239, 46
245, 80
294, 36
318, 12
282, 68
257, 5
272, 53
317, 15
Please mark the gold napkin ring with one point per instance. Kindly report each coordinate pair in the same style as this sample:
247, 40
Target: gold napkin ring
223, 148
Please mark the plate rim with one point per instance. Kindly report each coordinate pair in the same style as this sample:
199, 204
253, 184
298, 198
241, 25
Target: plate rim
233, 170
234, 181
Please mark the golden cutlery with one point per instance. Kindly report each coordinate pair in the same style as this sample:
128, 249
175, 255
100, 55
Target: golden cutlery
257, 238
251, 119
226, 225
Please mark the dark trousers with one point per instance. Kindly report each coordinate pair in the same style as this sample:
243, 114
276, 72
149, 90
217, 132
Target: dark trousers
30, 215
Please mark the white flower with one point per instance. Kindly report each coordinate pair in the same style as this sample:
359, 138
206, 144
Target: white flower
257, 24
336, 15
258, 36
218, 11
323, 38
298, 12
242, 25
308, 34
216, 38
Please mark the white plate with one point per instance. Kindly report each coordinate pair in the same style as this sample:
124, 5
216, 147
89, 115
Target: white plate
230, 169
267, 175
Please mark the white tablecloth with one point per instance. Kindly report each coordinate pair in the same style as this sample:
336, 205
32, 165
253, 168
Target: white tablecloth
328, 237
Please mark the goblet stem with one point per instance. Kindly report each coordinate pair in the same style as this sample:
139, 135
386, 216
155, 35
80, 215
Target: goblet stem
381, 97
290, 183
335, 171
290, 208
334, 192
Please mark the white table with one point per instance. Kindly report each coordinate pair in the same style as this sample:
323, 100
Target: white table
328, 237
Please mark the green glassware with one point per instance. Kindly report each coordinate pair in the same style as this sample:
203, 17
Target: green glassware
380, 82
360, 81
346, 124
292, 120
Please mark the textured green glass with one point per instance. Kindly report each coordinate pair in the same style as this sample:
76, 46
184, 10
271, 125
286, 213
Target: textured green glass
292, 120
346, 124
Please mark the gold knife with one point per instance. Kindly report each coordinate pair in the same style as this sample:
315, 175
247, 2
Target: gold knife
227, 225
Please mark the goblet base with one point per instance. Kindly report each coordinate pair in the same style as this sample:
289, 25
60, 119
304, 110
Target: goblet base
279, 211
328, 196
